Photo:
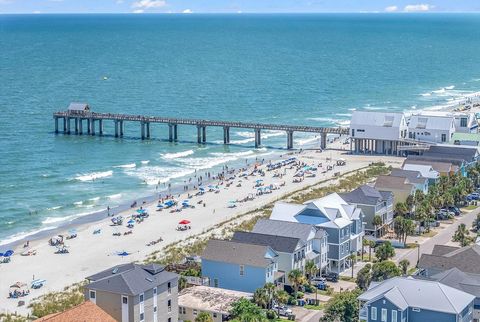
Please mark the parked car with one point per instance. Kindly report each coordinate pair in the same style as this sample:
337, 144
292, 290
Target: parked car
455, 210
282, 310
331, 277
322, 286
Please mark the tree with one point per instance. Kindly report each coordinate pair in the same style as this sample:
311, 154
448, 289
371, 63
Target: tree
370, 247
352, 257
462, 235
403, 228
281, 297
384, 270
204, 317
409, 203
385, 251
342, 307
260, 297
364, 277
403, 265
296, 277
243, 310
401, 209
311, 270
376, 222
365, 242
182, 283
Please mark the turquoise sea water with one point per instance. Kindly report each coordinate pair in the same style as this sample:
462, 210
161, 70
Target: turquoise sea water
298, 69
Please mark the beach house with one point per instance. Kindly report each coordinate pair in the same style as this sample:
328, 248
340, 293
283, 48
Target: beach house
239, 266
217, 302
466, 282
399, 186
313, 237
433, 129
135, 293
442, 258
414, 177
292, 252
377, 132
373, 203
405, 299
472, 139
443, 168
465, 122
342, 222
85, 312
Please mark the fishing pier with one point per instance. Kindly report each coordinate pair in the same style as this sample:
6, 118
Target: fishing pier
80, 113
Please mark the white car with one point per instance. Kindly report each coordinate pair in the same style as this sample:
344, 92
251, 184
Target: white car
282, 310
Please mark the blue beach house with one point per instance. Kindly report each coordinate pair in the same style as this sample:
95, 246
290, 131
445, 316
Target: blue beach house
342, 222
239, 266
404, 299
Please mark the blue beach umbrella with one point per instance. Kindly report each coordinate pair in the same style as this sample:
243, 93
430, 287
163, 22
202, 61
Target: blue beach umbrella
72, 231
131, 221
141, 211
123, 254
8, 253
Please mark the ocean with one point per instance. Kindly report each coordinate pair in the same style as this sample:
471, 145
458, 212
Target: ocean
295, 69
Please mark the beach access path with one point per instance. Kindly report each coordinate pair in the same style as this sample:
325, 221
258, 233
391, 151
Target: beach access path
90, 253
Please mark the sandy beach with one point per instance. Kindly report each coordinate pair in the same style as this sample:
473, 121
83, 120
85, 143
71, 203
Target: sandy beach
90, 253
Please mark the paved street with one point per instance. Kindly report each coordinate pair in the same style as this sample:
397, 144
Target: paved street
443, 237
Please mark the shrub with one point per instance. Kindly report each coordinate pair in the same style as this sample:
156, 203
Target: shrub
300, 295
271, 315
58, 301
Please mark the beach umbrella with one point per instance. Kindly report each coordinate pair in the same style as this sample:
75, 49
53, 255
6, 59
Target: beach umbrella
141, 211
1, 254
259, 180
123, 254
184, 222
201, 189
131, 221
72, 231
159, 206
8, 253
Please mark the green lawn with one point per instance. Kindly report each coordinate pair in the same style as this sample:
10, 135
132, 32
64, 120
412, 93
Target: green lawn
315, 307
470, 207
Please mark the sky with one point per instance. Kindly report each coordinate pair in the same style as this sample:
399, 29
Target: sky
235, 6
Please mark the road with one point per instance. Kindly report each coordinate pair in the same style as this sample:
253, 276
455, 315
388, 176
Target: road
442, 238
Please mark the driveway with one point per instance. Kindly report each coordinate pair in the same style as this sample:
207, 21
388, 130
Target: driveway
304, 315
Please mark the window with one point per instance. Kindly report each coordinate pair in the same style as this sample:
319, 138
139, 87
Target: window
214, 314
360, 130
463, 122
169, 320
155, 290
215, 282
444, 137
303, 253
373, 313
295, 257
194, 312
415, 309
353, 132
154, 309
142, 316
124, 300
169, 288
169, 305
141, 298
184, 310
394, 315
179, 310
242, 270
384, 315
92, 294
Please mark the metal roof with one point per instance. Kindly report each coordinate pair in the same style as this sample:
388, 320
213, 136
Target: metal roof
377, 118
130, 279
429, 122
78, 107
277, 243
238, 253
429, 295
289, 229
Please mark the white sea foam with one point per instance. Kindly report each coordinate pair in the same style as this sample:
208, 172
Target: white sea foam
426, 94
115, 196
177, 155
153, 175
94, 175
22, 235
439, 91
145, 162
126, 166
450, 87
53, 220
54, 208
78, 203
94, 199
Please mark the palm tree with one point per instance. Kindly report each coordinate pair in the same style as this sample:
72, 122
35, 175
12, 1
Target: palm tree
260, 297
401, 209
377, 221
281, 297
311, 270
296, 277
352, 257
269, 290
370, 246
461, 235
403, 264
204, 317
365, 242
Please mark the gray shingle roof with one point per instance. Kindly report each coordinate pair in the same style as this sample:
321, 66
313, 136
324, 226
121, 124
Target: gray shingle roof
430, 295
466, 259
453, 152
287, 229
277, 243
130, 279
365, 195
237, 253
411, 175
436, 165
391, 182
467, 282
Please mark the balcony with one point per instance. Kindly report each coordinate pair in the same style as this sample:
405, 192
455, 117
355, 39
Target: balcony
363, 314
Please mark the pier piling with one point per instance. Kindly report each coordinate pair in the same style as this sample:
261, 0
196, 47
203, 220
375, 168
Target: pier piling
142, 130
258, 140
323, 141
289, 140
56, 124
226, 135
92, 126
100, 127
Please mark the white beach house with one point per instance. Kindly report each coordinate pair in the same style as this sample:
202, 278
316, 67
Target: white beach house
433, 129
465, 122
377, 132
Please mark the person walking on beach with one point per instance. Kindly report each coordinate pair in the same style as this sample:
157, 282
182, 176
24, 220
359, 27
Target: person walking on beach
108, 211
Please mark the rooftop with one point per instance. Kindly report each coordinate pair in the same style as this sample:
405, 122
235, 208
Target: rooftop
85, 312
238, 253
442, 167
366, 195
277, 243
212, 299
130, 279
412, 175
288, 229
407, 292
392, 182
466, 259
377, 118
431, 122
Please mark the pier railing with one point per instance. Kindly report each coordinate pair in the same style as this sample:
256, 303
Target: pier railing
201, 124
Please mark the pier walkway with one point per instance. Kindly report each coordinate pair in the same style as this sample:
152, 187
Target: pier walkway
81, 112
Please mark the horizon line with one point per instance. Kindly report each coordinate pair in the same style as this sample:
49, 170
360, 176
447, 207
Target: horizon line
242, 13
